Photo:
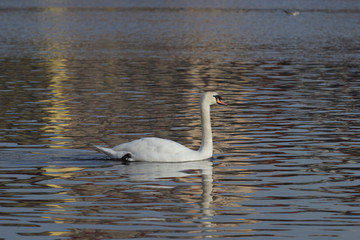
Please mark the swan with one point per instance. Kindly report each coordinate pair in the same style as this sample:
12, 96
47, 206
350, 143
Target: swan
152, 149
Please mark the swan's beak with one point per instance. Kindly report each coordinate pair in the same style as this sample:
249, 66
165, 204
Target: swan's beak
218, 101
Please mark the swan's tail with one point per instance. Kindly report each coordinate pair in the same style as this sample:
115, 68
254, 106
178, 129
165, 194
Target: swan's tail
121, 155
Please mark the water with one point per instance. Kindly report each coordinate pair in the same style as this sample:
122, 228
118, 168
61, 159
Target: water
76, 74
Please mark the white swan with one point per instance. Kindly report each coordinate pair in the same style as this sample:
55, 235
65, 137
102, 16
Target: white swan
153, 149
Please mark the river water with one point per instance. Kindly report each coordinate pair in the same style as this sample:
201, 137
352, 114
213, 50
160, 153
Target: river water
74, 74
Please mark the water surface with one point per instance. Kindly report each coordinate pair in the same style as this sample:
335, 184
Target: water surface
75, 74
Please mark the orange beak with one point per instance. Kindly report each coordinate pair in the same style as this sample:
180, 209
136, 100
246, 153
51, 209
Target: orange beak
218, 101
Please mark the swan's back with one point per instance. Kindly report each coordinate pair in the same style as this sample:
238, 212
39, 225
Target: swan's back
159, 150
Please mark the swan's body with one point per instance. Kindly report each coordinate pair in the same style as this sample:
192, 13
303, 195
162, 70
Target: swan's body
163, 150
154, 150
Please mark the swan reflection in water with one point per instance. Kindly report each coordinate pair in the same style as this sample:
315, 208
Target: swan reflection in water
177, 173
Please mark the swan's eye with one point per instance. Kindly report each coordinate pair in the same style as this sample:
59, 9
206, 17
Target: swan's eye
217, 97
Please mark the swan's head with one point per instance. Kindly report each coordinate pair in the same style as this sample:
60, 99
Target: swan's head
212, 98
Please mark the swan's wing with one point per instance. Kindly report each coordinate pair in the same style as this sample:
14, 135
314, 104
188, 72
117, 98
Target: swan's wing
157, 150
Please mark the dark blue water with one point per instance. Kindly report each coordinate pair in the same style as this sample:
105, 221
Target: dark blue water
83, 73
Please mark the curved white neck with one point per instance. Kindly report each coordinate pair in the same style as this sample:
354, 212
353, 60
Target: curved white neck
206, 148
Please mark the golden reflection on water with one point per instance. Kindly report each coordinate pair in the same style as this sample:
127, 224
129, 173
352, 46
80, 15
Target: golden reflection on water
64, 172
54, 43
58, 114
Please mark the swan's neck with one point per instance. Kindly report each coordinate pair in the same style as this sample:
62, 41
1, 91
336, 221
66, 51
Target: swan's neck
206, 148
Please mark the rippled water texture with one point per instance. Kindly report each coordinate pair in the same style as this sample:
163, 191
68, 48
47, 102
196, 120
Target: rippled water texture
74, 74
